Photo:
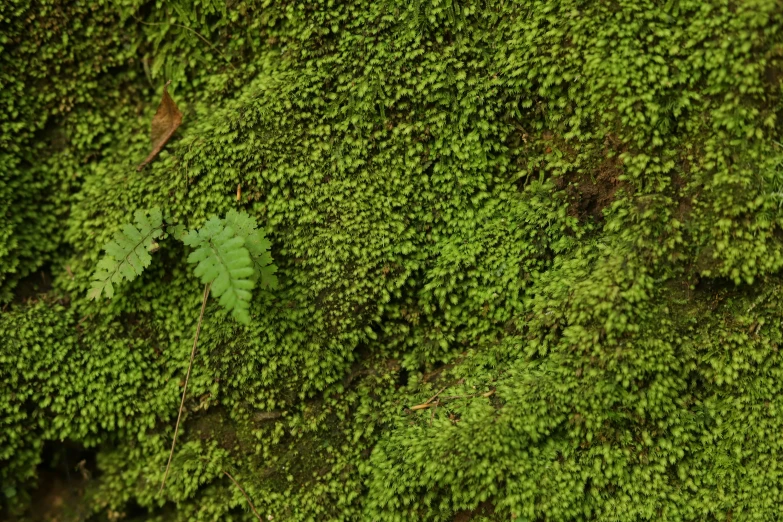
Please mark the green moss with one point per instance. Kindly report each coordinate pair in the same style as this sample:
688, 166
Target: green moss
563, 218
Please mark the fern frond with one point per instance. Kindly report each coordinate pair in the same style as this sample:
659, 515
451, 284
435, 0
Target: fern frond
128, 253
257, 245
222, 259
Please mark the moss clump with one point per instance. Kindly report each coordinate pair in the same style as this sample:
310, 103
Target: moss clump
560, 222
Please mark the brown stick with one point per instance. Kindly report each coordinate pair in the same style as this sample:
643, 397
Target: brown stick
430, 404
421, 406
187, 378
245, 495
436, 395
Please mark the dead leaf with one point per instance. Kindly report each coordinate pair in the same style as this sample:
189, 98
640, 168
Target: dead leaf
167, 119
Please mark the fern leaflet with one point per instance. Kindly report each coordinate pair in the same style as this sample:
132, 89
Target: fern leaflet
128, 253
222, 259
257, 245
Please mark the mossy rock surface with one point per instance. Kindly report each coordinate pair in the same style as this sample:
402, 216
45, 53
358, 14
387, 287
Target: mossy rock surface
529, 260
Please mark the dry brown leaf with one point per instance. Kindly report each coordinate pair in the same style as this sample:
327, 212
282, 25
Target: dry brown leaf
164, 123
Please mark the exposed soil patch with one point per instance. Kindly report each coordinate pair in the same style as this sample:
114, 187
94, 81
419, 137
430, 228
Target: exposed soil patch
593, 188
59, 499
29, 287
485, 509
589, 193
63, 477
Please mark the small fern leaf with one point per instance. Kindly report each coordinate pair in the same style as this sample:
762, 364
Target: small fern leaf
221, 259
128, 253
268, 277
177, 232
95, 291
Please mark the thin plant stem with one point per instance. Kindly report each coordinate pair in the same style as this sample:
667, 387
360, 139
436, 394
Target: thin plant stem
244, 495
194, 32
187, 378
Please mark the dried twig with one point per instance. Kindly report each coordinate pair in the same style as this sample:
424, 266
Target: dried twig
436, 395
429, 401
244, 494
430, 404
187, 378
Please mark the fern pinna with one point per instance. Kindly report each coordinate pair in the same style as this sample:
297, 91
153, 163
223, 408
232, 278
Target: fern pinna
231, 255
128, 254
224, 262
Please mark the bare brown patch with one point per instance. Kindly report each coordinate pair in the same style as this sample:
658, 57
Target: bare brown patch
58, 498
679, 187
593, 189
485, 509
590, 193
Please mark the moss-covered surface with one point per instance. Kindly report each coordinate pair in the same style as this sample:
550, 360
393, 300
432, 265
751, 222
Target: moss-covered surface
561, 217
